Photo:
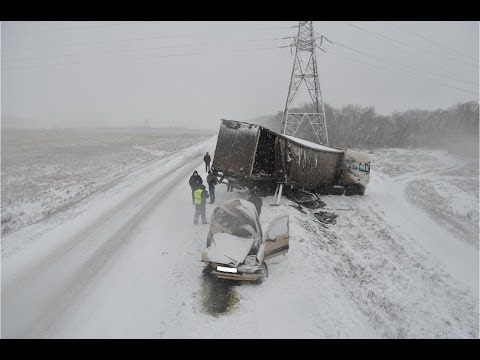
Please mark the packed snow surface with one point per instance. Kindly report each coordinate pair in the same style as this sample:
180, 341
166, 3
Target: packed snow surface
124, 262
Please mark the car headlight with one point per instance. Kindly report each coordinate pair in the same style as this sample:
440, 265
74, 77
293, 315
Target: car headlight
251, 260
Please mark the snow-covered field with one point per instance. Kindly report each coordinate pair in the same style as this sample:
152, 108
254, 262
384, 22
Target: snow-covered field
45, 171
401, 261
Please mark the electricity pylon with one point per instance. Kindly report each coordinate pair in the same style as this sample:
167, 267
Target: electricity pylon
305, 71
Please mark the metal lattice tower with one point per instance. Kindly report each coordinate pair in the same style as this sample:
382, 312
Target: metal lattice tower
305, 70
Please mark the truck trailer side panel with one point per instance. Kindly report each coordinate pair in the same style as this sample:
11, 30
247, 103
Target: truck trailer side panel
310, 168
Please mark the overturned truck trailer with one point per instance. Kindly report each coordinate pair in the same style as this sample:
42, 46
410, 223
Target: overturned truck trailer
249, 155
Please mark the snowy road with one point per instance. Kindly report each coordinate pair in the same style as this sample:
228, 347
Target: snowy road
129, 267
133, 241
458, 258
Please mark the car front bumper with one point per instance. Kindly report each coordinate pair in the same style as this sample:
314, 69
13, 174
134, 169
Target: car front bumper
237, 276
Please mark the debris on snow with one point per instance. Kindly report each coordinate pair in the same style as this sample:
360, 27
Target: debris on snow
326, 217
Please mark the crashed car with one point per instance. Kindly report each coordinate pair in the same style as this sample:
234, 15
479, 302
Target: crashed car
236, 247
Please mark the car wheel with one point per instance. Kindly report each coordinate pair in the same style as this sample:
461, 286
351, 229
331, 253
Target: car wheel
351, 190
209, 239
264, 273
207, 270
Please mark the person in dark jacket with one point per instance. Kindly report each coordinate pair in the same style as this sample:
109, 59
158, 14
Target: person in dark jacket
201, 195
212, 181
207, 160
194, 182
230, 184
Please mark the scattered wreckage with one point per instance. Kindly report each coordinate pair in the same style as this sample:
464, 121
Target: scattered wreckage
306, 199
236, 246
313, 202
326, 217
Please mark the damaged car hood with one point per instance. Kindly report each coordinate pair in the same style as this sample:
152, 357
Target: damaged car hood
228, 249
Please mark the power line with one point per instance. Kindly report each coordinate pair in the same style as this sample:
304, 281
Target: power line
265, 48
432, 80
435, 42
142, 57
255, 40
135, 39
41, 57
202, 53
374, 56
108, 42
46, 65
109, 51
429, 52
151, 37
272, 28
155, 48
143, 38
162, 56
199, 53
93, 26
388, 39
393, 71
127, 50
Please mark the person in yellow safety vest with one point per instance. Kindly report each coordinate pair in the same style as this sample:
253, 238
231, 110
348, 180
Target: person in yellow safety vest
200, 195
194, 181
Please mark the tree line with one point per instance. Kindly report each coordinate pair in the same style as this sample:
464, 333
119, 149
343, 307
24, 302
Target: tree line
354, 126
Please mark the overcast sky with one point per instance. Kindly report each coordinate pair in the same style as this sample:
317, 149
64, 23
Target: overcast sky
192, 74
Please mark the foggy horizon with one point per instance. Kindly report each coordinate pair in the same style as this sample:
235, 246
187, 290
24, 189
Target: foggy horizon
192, 74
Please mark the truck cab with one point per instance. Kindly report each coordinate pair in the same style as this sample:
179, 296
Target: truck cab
356, 174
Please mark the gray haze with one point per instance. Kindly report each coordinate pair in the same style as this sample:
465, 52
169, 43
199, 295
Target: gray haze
191, 74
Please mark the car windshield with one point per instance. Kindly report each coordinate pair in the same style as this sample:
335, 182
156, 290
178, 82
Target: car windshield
224, 218
237, 223
245, 220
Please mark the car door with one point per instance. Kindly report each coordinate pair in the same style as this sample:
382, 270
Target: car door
277, 237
